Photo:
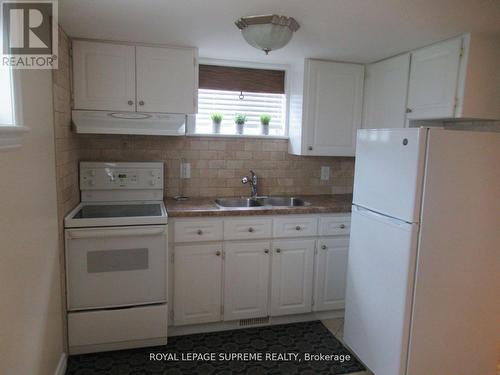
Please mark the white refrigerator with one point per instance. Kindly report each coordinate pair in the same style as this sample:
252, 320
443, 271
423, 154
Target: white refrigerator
423, 279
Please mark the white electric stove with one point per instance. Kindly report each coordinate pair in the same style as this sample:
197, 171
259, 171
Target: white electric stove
116, 258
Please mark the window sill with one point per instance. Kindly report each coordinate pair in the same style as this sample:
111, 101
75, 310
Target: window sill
11, 137
219, 135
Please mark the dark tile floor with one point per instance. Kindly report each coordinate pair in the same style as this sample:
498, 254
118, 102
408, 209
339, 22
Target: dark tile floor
297, 338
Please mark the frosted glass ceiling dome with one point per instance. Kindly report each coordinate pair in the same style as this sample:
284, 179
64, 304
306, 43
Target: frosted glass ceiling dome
269, 32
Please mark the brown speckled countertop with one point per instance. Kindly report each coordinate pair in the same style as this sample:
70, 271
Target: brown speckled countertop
197, 207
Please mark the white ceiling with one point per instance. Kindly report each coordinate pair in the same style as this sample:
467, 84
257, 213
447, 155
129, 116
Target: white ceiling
343, 30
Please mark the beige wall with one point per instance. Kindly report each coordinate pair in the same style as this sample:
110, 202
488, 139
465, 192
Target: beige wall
30, 294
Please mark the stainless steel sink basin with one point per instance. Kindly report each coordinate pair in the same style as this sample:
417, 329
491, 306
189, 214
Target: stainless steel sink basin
238, 202
285, 202
261, 202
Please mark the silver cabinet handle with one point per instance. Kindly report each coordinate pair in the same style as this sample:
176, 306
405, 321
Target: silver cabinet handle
218, 253
266, 251
342, 226
250, 229
323, 247
298, 227
278, 251
130, 102
199, 232
141, 102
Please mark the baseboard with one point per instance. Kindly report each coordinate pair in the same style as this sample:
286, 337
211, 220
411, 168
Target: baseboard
94, 348
62, 364
229, 325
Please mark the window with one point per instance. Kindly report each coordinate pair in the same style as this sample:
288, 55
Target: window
250, 92
251, 104
7, 116
11, 130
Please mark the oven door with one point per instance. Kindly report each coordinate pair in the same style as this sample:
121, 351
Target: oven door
111, 267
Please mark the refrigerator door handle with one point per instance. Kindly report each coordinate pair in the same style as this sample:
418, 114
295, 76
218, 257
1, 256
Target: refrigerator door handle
380, 217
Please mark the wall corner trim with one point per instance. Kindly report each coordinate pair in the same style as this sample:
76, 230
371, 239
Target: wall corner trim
62, 364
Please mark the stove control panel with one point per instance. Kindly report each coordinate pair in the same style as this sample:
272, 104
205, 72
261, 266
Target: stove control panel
121, 176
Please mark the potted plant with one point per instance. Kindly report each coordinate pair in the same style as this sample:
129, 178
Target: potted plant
239, 120
264, 124
216, 120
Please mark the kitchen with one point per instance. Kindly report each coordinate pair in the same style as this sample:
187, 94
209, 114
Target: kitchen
197, 184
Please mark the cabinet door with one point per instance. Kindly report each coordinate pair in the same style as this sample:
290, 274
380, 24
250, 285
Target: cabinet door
166, 80
331, 270
246, 279
434, 80
104, 76
292, 277
333, 106
197, 283
386, 89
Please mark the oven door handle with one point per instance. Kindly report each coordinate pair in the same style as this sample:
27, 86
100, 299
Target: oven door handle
125, 232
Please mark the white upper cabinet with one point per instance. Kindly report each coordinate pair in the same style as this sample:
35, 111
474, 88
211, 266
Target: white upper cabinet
246, 279
166, 80
386, 87
457, 78
325, 108
118, 77
292, 277
104, 76
433, 80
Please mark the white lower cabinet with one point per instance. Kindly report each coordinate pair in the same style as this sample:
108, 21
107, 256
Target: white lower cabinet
246, 279
198, 283
292, 277
330, 275
229, 273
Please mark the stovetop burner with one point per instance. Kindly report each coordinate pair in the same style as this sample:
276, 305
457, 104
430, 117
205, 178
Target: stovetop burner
118, 210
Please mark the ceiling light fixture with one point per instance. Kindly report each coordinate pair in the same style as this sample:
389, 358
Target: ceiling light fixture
269, 32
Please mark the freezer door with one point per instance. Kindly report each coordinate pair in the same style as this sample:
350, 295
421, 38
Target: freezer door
388, 172
380, 275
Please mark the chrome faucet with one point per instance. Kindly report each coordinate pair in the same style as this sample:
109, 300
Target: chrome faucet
253, 183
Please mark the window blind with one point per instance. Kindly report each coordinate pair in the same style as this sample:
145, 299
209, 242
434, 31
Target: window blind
252, 105
229, 78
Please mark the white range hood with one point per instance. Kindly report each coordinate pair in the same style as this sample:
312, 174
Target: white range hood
104, 122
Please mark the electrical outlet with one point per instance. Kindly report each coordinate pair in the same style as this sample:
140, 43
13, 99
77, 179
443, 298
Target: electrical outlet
325, 173
185, 170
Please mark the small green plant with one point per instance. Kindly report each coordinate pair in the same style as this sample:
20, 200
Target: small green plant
240, 119
217, 117
265, 119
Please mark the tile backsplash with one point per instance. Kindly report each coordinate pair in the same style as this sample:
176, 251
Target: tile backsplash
66, 141
217, 164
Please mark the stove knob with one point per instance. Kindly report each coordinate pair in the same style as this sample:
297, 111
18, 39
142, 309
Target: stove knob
152, 182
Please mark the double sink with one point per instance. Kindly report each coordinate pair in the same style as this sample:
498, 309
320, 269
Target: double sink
261, 202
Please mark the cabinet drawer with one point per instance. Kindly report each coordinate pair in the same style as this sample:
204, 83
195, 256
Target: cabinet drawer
115, 326
295, 226
197, 230
239, 229
334, 225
